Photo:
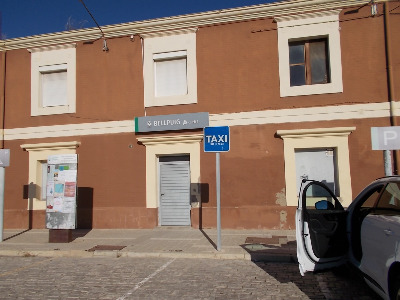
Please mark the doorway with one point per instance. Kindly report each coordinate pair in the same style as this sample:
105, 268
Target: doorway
174, 190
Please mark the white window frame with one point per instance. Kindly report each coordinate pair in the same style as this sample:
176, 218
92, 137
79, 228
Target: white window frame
170, 145
305, 27
47, 60
42, 179
337, 137
167, 46
38, 154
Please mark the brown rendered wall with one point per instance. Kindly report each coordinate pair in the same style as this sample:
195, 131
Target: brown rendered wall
237, 67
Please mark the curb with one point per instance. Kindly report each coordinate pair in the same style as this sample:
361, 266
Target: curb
117, 254
261, 257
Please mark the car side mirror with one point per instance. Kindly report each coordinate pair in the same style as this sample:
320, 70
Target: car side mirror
324, 205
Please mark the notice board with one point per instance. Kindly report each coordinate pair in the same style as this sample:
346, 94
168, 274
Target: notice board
61, 191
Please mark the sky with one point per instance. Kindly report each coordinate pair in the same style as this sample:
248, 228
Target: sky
21, 18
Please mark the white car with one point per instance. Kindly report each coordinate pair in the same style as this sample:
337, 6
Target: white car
366, 234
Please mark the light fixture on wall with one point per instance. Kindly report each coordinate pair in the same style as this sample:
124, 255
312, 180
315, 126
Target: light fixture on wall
374, 8
105, 47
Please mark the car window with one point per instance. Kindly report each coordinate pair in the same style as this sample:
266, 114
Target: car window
318, 197
390, 199
371, 197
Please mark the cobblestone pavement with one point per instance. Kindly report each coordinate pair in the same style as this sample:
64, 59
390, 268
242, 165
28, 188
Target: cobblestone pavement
170, 278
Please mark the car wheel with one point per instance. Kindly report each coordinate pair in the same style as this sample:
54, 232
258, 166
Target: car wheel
396, 289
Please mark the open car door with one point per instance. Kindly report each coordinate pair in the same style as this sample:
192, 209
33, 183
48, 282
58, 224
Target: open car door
320, 228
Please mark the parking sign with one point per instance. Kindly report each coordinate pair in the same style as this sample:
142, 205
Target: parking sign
216, 139
4, 157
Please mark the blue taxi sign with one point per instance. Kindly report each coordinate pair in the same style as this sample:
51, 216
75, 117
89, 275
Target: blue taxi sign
216, 139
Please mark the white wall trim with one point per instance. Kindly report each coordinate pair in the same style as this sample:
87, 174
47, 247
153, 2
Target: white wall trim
312, 25
62, 57
166, 44
40, 152
307, 114
170, 139
50, 146
336, 137
70, 130
169, 145
279, 116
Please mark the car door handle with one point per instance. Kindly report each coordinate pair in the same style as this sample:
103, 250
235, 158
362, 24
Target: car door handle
388, 231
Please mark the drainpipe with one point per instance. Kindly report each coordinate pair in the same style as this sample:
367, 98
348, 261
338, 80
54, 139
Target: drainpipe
390, 82
2, 117
3, 96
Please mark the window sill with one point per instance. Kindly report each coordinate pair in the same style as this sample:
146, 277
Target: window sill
315, 89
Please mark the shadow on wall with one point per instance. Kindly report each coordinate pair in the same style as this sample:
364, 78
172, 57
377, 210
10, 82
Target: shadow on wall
84, 203
84, 208
204, 190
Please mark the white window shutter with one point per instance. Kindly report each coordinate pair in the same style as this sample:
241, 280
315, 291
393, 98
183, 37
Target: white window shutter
54, 89
170, 77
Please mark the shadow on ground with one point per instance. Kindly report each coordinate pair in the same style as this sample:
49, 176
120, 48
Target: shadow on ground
277, 257
339, 283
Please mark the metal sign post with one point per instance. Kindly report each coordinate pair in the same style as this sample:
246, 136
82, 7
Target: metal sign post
217, 139
218, 182
2, 180
4, 162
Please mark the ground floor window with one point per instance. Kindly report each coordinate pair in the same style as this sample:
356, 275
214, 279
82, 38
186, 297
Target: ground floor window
317, 164
322, 153
38, 154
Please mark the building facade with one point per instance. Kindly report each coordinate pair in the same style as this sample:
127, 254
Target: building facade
299, 83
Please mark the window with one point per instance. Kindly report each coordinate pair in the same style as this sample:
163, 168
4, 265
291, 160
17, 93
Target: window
170, 73
38, 154
53, 80
54, 86
370, 200
390, 199
330, 146
317, 164
309, 54
308, 62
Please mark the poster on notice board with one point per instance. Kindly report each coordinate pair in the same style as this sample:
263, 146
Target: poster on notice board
61, 188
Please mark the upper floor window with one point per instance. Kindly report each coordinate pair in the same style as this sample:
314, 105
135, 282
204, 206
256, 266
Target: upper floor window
53, 80
170, 73
309, 54
309, 62
54, 87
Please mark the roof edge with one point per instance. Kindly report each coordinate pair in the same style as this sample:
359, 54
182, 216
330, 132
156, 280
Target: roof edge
244, 13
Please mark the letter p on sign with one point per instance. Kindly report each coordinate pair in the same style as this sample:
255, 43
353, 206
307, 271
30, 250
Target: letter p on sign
389, 136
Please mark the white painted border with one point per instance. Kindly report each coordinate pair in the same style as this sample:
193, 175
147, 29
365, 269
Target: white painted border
164, 44
169, 145
279, 116
304, 27
69, 130
52, 58
336, 137
40, 152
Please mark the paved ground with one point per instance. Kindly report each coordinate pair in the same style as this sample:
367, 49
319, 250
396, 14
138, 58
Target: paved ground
165, 263
169, 278
182, 242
